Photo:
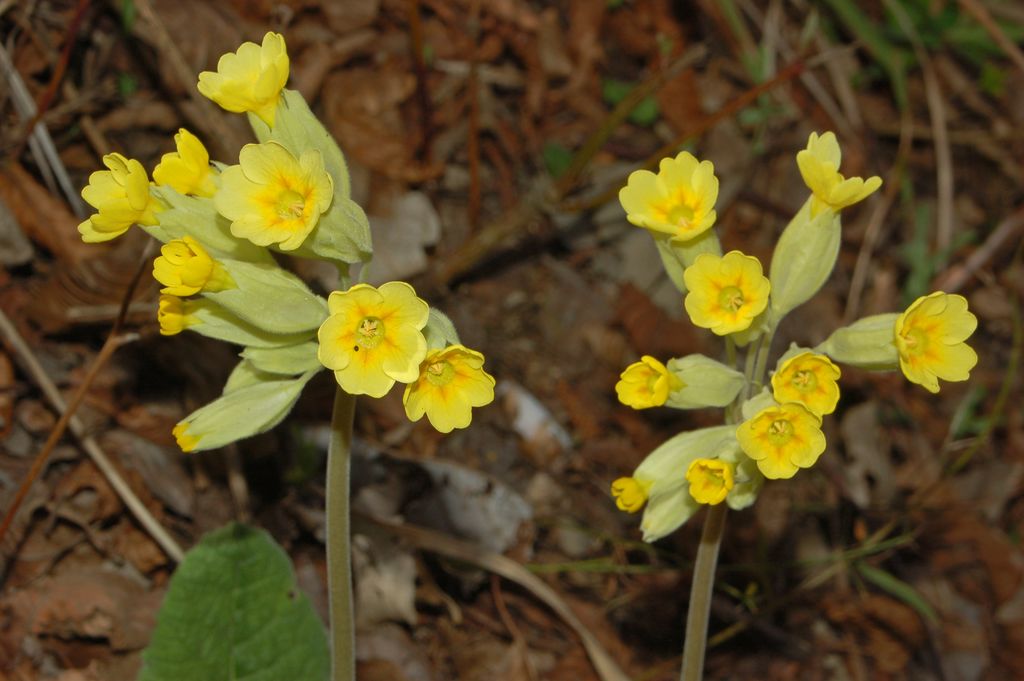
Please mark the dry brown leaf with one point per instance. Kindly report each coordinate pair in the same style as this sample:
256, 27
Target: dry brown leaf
43, 217
6, 395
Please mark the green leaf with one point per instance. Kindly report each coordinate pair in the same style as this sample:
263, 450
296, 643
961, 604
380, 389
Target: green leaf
898, 589
233, 612
645, 112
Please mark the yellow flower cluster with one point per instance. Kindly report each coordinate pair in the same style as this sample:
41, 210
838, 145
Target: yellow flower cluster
776, 432
290, 192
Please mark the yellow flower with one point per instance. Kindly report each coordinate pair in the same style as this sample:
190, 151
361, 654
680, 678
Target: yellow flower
678, 201
373, 337
819, 166
121, 195
782, 439
646, 383
187, 170
174, 315
249, 79
186, 442
273, 198
930, 339
631, 494
725, 293
809, 379
710, 480
451, 382
185, 268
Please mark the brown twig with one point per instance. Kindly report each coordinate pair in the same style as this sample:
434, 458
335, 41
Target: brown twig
954, 278
473, 140
115, 339
981, 14
485, 242
46, 98
518, 640
703, 125
422, 91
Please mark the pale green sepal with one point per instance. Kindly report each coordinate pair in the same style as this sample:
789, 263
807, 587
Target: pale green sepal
789, 354
707, 383
245, 374
803, 259
748, 481
671, 458
270, 298
196, 216
668, 507
688, 250
214, 321
244, 412
868, 343
758, 326
289, 360
342, 233
670, 261
758, 403
296, 128
440, 331
669, 503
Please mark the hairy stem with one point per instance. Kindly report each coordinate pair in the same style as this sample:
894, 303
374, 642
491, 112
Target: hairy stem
339, 560
700, 594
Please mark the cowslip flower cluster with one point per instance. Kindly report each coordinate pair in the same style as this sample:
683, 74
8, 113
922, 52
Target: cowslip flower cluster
219, 224
773, 423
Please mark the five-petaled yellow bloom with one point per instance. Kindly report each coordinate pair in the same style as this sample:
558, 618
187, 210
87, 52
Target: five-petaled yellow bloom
250, 79
782, 439
187, 170
185, 268
811, 380
725, 293
631, 494
819, 166
451, 382
646, 383
930, 337
373, 337
710, 480
121, 197
271, 197
174, 315
678, 201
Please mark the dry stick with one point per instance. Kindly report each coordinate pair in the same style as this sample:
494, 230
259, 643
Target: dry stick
450, 547
956, 277
67, 419
422, 92
937, 113
981, 14
704, 124
882, 208
488, 240
43, 105
473, 139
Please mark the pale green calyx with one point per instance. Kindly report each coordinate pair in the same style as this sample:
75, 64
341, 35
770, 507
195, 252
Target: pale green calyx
706, 383
239, 413
343, 232
868, 343
757, 404
439, 331
677, 254
289, 360
270, 299
803, 259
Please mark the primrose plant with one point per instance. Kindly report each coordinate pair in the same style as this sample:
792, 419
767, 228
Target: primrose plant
220, 226
772, 427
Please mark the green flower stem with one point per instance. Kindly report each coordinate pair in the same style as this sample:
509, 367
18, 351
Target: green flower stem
700, 594
702, 587
339, 558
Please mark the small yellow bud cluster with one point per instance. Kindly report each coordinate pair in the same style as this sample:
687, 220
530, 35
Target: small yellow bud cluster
288, 192
770, 434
